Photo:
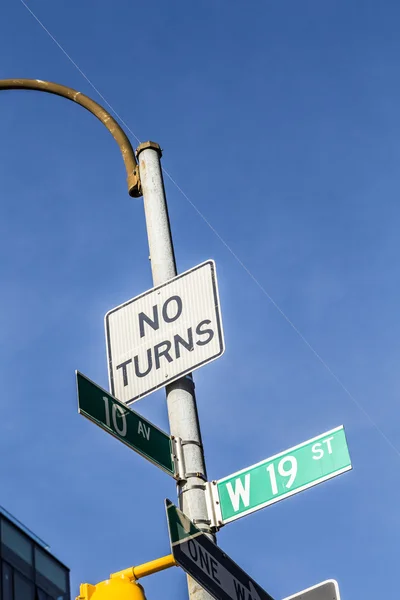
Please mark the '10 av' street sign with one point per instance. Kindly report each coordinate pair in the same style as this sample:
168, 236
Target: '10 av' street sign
279, 476
127, 426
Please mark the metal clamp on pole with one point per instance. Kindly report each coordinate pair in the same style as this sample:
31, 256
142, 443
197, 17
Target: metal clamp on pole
198, 476
195, 486
195, 442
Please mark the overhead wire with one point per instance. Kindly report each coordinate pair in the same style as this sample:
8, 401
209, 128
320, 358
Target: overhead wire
225, 244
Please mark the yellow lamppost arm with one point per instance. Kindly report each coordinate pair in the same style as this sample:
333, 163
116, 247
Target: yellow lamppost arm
128, 155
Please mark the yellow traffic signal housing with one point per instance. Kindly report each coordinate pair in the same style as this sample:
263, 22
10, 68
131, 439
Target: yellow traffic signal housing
118, 588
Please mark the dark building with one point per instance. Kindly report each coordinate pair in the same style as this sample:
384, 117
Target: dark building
28, 570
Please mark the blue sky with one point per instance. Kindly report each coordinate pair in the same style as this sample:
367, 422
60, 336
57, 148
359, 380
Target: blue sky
280, 122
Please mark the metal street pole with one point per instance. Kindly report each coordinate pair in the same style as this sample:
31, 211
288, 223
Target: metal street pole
181, 398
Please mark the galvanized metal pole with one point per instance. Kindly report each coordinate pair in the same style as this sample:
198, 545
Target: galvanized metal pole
181, 398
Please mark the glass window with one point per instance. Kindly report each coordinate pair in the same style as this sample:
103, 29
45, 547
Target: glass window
16, 541
7, 586
51, 570
23, 589
41, 595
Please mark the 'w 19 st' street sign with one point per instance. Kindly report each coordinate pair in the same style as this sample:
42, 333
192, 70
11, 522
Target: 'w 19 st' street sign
279, 476
164, 333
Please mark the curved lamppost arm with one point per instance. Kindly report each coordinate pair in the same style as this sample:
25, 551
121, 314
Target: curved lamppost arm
128, 155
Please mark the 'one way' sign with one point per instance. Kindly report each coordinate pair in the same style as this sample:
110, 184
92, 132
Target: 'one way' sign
214, 570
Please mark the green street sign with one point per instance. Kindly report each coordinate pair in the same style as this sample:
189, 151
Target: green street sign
280, 476
113, 416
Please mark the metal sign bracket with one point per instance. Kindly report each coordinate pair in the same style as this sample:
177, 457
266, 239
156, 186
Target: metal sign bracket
213, 505
178, 458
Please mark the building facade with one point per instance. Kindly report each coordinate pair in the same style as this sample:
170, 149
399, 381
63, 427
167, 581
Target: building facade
28, 570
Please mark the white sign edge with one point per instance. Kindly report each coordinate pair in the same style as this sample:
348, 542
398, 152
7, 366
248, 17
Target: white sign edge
315, 587
266, 460
221, 338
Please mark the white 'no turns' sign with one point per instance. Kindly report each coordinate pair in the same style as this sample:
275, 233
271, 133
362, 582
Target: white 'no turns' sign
164, 333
